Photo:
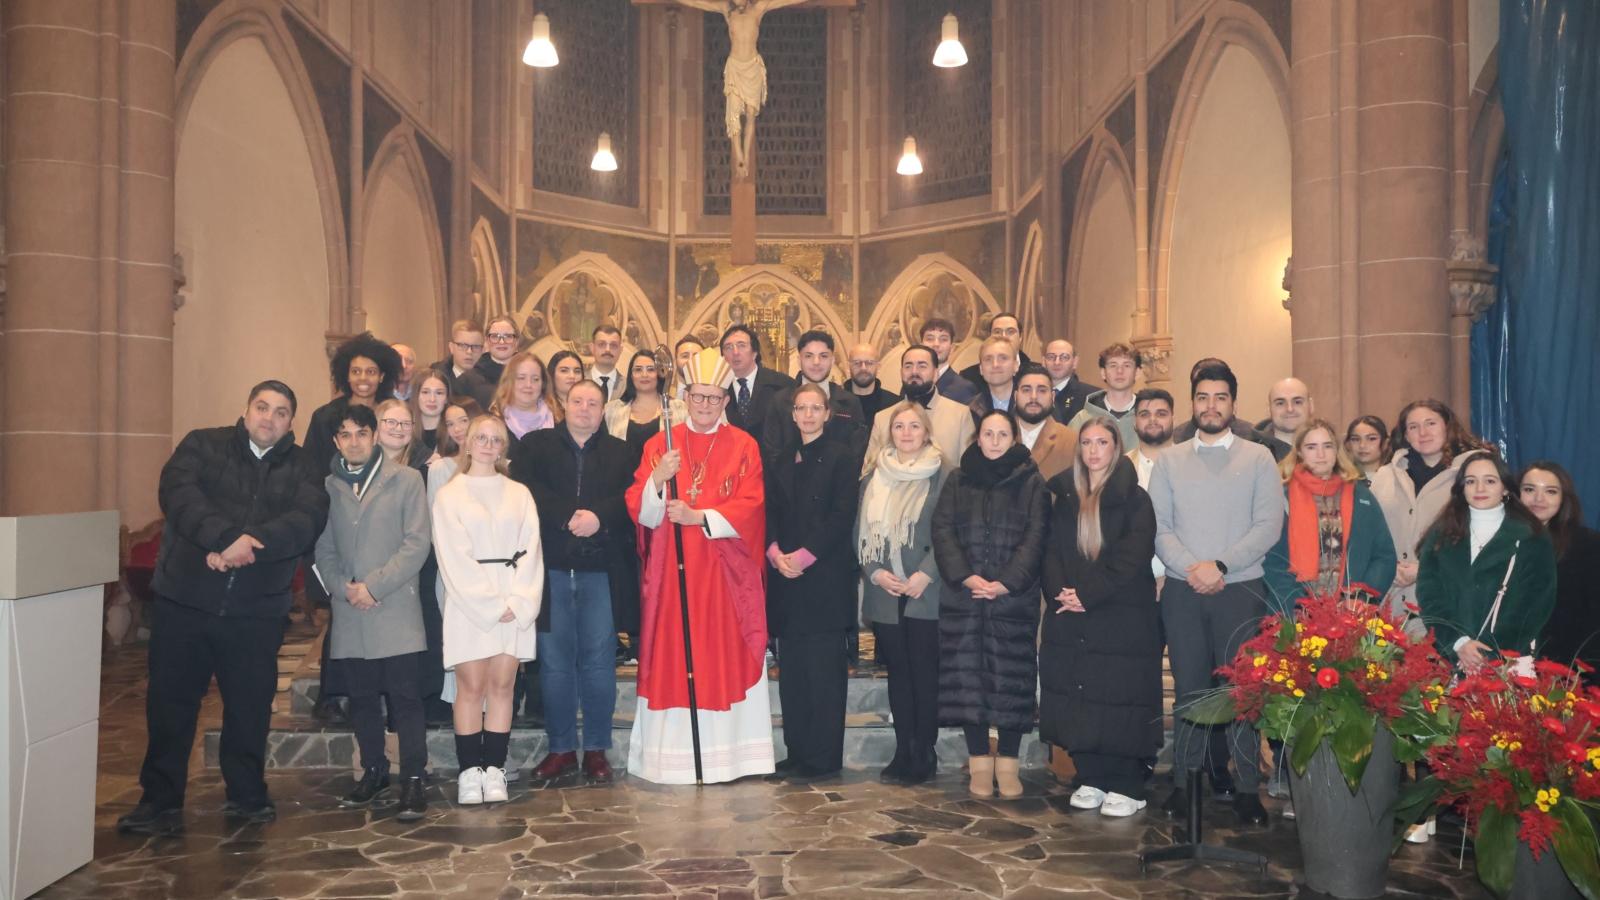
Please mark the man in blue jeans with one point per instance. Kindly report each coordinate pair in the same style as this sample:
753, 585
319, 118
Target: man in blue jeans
578, 473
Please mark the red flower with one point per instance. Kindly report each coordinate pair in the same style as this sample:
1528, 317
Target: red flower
1554, 726
1328, 678
1523, 681
1551, 667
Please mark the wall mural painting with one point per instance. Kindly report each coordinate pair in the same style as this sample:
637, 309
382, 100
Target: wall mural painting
571, 279
792, 288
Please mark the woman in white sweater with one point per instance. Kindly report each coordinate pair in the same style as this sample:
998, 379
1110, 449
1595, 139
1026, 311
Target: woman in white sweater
486, 535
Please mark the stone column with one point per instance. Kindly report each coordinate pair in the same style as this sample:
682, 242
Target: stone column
1371, 131
87, 369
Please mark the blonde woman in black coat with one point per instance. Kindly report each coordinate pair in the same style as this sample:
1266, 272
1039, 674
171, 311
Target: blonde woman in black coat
1100, 654
988, 535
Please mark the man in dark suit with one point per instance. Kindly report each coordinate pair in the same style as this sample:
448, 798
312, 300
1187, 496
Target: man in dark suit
458, 369
1004, 325
864, 383
847, 424
754, 388
939, 335
1071, 393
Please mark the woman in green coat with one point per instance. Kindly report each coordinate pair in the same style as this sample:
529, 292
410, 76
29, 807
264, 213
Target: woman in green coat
1335, 540
1483, 544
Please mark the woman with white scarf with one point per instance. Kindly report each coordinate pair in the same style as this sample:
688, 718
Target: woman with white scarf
894, 541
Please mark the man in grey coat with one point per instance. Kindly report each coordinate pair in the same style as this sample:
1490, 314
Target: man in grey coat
1219, 508
368, 559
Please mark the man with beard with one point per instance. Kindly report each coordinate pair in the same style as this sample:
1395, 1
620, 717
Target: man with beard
1054, 446
846, 422
874, 397
1061, 361
1219, 509
953, 428
1183, 432
939, 335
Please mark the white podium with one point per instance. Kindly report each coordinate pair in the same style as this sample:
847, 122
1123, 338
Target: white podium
52, 575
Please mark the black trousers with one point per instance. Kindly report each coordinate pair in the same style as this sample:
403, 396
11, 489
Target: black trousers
1113, 774
188, 647
813, 680
1203, 633
910, 652
396, 678
1009, 742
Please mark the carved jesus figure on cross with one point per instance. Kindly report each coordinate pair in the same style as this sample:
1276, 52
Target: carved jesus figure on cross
744, 77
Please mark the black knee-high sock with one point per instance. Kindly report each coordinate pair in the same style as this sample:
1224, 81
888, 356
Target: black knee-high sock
495, 746
469, 750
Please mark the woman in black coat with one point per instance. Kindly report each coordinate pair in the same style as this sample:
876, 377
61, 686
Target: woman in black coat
988, 536
1100, 654
811, 590
1573, 631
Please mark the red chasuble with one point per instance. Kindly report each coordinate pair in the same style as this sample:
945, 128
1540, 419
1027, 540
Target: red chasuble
726, 576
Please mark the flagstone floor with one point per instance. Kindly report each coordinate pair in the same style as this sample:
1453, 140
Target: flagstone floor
852, 838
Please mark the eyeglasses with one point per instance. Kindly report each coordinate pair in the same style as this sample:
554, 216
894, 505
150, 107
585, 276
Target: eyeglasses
472, 347
706, 399
488, 440
501, 337
394, 423
810, 408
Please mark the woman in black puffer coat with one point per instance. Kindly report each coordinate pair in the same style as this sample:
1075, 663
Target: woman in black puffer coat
988, 536
1100, 653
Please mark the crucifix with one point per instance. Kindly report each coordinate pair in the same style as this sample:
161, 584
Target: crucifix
744, 90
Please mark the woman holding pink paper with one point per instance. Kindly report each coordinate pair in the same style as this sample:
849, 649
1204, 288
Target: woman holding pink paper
811, 586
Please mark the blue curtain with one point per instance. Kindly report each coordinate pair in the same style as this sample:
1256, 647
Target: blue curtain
1536, 364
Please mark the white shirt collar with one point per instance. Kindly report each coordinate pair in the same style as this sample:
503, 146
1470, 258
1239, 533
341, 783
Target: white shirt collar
260, 452
1062, 384
1226, 443
940, 373
1030, 433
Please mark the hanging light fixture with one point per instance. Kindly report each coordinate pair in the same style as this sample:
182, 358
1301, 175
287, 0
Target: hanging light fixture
604, 160
950, 53
540, 53
910, 163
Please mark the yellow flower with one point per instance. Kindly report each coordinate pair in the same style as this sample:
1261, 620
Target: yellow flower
1546, 799
1278, 677
1382, 642
1538, 703
1299, 693
1260, 660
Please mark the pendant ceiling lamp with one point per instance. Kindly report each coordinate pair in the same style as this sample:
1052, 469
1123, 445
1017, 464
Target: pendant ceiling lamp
540, 53
910, 163
604, 160
950, 53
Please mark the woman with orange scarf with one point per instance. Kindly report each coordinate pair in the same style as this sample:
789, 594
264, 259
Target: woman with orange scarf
1335, 541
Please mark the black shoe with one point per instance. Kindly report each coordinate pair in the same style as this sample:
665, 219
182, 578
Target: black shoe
374, 783
784, 765
332, 710
1249, 809
923, 766
897, 769
413, 805
1177, 805
804, 774
148, 818
1222, 784
259, 812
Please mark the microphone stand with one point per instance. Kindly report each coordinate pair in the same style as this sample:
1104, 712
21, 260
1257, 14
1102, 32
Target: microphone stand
683, 604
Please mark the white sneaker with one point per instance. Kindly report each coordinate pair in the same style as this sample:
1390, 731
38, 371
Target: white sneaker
1120, 806
469, 787
1422, 832
494, 785
1087, 797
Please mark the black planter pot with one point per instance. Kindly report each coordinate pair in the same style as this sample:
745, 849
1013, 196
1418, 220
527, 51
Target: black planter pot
1345, 837
1540, 880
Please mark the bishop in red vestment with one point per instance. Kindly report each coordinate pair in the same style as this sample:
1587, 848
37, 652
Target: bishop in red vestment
721, 517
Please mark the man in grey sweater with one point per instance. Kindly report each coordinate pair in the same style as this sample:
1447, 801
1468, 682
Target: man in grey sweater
1219, 509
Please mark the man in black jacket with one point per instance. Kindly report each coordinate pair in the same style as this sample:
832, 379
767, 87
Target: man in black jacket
243, 505
847, 424
459, 369
874, 397
578, 473
1071, 393
1003, 325
754, 388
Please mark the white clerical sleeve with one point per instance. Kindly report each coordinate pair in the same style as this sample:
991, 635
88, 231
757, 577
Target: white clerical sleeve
653, 511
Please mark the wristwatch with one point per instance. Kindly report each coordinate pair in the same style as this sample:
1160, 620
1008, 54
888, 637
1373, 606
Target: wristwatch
1220, 566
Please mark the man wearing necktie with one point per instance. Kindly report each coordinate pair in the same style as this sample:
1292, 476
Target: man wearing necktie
754, 386
605, 348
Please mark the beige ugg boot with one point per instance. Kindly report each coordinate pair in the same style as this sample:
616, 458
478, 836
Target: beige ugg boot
1005, 773
982, 769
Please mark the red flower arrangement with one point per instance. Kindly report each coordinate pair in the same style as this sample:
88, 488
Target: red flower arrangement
1335, 669
1525, 765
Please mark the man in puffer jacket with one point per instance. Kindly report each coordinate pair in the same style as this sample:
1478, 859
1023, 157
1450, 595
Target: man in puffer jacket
243, 505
